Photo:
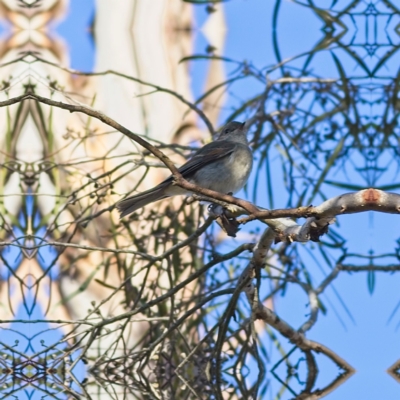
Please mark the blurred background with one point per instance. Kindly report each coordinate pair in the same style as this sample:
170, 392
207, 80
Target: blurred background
145, 307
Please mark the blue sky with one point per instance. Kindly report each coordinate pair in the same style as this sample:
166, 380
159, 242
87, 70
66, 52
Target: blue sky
75, 30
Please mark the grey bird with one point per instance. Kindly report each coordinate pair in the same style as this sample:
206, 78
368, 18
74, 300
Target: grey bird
223, 165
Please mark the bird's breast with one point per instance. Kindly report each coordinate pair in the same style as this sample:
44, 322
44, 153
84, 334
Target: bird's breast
228, 174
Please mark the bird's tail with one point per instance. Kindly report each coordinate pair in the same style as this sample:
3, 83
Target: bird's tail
133, 203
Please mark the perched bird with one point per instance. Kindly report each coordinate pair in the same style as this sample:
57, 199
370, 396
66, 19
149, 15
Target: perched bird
223, 165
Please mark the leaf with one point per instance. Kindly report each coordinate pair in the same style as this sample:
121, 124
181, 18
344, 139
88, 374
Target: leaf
388, 187
205, 57
80, 289
322, 307
371, 281
328, 166
345, 185
102, 283
343, 78
359, 60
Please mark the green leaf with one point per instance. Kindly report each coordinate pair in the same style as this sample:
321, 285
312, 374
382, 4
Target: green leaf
322, 307
343, 78
328, 166
371, 281
205, 57
388, 187
81, 288
342, 185
102, 283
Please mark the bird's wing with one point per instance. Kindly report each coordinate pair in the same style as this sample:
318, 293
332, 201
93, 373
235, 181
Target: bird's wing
207, 154
210, 152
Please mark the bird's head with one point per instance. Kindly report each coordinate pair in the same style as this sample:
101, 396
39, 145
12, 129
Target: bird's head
234, 131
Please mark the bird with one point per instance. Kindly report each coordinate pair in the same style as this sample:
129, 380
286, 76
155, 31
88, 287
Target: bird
223, 165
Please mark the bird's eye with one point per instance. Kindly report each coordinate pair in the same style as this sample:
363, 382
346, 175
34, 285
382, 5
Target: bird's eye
226, 131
